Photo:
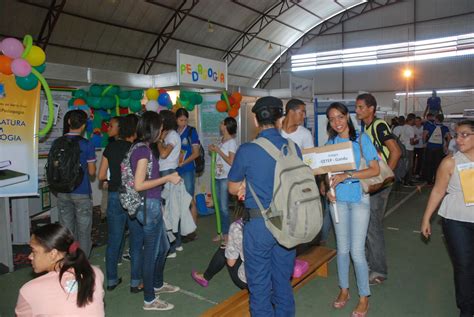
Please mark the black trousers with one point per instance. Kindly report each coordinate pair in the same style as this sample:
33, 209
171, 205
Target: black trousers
218, 262
419, 156
460, 241
433, 158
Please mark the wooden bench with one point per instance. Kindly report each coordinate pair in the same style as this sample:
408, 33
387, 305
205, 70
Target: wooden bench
238, 304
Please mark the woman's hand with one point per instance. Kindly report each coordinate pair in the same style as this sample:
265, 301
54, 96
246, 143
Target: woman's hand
212, 148
426, 228
331, 196
338, 178
174, 178
241, 192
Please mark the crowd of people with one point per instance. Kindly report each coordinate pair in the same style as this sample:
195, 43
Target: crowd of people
162, 148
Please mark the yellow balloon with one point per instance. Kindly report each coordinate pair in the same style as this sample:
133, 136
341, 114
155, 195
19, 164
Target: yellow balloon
36, 56
152, 94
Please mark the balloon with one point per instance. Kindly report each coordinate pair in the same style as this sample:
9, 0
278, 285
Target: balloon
21, 68
5, 65
125, 103
27, 83
236, 106
164, 99
79, 102
79, 93
107, 102
222, 95
198, 99
185, 103
234, 112
110, 91
161, 108
36, 56
41, 68
49, 98
221, 106
124, 94
135, 105
237, 97
162, 91
136, 95
93, 102
231, 101
28, 44
11, 47
152, 94
152, 105
70, 103
95, 90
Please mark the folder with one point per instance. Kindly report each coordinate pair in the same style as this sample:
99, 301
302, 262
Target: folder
466, 175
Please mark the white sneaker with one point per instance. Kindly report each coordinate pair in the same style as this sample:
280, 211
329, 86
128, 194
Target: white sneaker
179, 248
171, 255
158, 304
167, 288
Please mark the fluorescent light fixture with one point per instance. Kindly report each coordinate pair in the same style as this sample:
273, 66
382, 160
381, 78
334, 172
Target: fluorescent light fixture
445, 91
452, 46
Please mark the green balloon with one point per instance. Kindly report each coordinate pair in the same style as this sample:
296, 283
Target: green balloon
70, 103
96, 90
190, 107
27, 83
113, 91
135, 105
124, 103
136, 95
79, 93
124, 94
93, 102
41, 68
107, 102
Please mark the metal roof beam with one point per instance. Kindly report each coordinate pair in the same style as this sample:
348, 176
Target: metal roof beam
320, 29
54, 11
171, 26
255, 28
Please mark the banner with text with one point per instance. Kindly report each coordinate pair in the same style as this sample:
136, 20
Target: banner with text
202, 72
18, 139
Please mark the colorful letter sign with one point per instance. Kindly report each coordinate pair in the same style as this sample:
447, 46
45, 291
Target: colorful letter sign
198, 71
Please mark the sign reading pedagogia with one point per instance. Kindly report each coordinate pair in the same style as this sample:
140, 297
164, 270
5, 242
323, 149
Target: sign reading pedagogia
330, 158
18, 139
199, 71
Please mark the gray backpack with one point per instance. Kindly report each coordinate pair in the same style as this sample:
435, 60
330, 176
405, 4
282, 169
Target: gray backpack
129, 197
294, 215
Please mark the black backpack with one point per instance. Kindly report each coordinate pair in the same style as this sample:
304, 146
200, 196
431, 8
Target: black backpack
200, 161
63, 169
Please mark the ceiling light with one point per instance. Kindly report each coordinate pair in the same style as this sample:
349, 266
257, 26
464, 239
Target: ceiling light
270, 47
210, 27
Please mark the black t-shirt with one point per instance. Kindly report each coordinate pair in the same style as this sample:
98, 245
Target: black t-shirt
115, 153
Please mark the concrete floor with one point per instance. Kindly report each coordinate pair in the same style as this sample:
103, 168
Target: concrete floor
420, 274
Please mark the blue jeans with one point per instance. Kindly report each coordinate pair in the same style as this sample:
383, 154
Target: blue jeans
223, 200
327, 222
460, 241
75, 213
155, 245
116, 219
351, 232
189, 180
375, 245
176, 243
268, 267
135, 240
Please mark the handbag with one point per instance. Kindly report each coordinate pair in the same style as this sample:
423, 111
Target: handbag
375, 183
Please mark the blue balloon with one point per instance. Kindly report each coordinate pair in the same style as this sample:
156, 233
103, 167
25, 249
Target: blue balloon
40, 68
164, 99
27, 83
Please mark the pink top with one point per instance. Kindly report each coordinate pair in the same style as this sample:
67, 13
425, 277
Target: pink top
44, 296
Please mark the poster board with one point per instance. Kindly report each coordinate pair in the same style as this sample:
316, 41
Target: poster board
201, 72
330, 158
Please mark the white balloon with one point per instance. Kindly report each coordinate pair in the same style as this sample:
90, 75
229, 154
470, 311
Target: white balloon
152, 105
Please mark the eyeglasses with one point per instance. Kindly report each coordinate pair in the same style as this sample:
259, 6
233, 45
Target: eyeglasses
462, 135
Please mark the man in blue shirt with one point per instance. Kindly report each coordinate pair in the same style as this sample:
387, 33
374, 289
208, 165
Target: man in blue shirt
75, 208
268, 265
433, 105
437, 138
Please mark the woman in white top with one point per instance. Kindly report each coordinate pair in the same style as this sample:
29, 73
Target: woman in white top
225, 149
169, 147
458, 219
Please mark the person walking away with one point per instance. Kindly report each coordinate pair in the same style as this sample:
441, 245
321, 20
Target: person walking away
437, 138
419, 147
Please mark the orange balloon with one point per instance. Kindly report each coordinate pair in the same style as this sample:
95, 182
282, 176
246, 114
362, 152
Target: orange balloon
79, 102
234, 112
236, 106
221, 106
237, 97
5, 65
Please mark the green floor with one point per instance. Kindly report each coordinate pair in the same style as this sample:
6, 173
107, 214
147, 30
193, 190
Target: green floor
420, 275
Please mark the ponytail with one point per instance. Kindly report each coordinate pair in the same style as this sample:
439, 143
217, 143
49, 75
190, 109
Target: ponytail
55, 236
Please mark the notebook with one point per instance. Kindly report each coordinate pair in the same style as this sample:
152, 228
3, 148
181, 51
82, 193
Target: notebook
10, 177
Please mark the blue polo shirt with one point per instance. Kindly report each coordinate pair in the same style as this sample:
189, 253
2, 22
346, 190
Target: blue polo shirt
87, 156
189, 137
254, 165
350, 190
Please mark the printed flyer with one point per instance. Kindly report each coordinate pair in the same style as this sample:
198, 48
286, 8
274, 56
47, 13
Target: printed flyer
19, 119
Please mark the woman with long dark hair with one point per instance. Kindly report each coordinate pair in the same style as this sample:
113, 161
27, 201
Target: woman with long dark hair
71, 285
457, 216
148, 241
353, 207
